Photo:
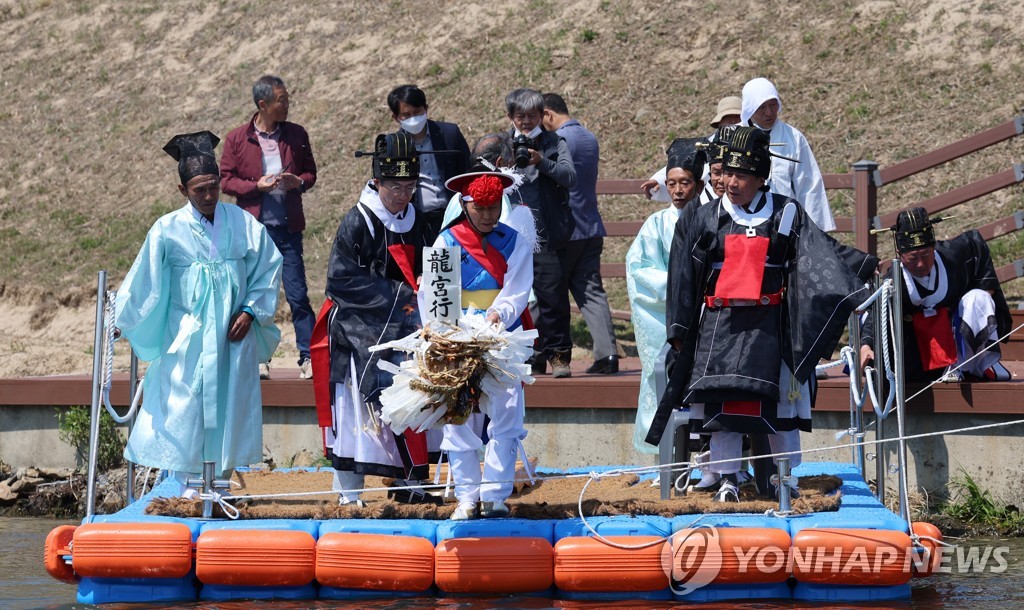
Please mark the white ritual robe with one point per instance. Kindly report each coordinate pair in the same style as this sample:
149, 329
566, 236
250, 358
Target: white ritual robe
202, 396
647, 281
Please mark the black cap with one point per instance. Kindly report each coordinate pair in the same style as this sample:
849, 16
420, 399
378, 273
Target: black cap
747, 151
719, 143
688, 154
913, 230
194, 154
395, 157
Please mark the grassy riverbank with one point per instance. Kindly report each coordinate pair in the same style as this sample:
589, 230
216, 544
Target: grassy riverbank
94, 89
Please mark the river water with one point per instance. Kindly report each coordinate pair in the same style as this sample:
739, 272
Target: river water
25, 584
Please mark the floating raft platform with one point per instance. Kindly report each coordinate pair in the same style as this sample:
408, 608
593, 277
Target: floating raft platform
862, 552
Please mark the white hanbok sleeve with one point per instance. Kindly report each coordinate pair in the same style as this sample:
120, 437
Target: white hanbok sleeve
661, 194
143, 300
515, 293
647, 264
263, 281
809, 186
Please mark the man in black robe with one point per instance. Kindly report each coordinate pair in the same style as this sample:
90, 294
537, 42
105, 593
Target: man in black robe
757, 294
371, 284
953, 307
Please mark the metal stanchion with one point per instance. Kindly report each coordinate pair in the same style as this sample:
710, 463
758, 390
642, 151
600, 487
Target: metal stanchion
207, 484
880, 458
857, 412
94, 413
133, 382
781, 481
901, 445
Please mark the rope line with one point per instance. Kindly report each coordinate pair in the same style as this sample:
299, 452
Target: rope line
108, 364
654, 468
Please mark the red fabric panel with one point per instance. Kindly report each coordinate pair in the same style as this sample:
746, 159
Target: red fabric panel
742, 407
935, 341
743, 267
405, 258
489, 258
416, 446
320, 360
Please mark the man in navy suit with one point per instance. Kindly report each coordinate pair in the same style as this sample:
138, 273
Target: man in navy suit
408, 106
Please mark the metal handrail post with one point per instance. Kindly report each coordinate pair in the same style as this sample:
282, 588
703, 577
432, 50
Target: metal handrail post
856, 411
94, 413
133, 382
880, 456
901, 444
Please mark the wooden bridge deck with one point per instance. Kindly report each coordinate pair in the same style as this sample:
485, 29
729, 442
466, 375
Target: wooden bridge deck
581, 391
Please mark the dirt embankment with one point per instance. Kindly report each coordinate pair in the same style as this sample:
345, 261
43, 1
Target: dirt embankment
94, 89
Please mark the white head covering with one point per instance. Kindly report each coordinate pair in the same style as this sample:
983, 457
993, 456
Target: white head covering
755, 93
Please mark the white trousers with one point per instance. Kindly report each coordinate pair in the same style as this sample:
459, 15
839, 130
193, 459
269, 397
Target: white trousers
346, 479
728, 446
976, 309
462, 442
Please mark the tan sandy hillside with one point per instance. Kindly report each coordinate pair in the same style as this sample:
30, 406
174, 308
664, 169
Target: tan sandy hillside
94, 89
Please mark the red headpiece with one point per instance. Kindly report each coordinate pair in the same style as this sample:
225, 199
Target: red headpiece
485, 191
482, 188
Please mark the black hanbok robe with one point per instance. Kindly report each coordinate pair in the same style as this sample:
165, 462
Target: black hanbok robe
968, 265
370, 282
734, 354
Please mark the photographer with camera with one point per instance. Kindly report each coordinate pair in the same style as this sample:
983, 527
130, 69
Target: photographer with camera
548, 171
582, 262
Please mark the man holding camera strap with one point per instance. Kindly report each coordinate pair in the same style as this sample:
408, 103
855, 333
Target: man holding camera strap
543, 158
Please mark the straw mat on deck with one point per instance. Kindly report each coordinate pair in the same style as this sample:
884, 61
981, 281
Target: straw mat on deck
549, 499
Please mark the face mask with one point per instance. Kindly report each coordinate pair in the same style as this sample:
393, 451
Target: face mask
414, 124
534, 133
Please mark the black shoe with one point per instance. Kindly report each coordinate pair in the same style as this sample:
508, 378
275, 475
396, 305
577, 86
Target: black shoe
538, 365
604, 366
406, 495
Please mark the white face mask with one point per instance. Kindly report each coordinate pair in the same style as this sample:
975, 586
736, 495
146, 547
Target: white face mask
414, 124
534, 133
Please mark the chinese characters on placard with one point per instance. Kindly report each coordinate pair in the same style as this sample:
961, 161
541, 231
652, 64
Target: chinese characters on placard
442, 279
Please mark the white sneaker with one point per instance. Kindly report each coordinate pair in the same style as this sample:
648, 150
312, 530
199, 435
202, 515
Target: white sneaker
264, 370
708, 481
728, 492
357, 503
493, 510
306, 369
464, 512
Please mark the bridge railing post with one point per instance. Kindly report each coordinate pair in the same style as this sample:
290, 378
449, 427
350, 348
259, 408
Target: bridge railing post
865, 209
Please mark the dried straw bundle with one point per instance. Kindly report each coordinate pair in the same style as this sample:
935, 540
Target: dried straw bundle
455, 371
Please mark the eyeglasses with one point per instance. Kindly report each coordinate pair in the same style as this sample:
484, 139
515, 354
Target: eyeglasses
404, 189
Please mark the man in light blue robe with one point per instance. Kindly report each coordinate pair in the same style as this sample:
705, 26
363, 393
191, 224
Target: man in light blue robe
647, 275
198, 304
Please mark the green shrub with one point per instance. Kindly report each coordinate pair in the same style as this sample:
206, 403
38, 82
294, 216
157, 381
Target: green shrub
73, 426
975, 505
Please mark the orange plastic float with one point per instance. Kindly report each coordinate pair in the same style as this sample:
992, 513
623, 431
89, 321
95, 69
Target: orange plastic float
733, 555
257, 558
493, 565
851, 557
132, 550
58, 545
378, 562
927, 562
584, 564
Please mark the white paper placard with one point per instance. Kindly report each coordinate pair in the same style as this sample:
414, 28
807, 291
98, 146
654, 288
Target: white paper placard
442, 281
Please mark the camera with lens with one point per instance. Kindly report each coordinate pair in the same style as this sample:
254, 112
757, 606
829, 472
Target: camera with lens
521, 145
